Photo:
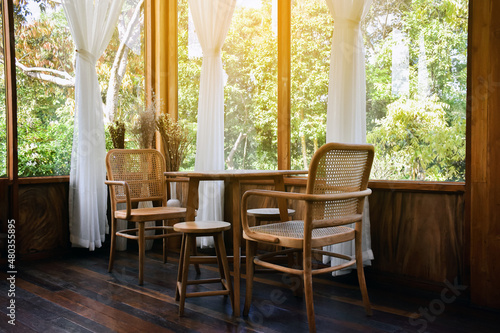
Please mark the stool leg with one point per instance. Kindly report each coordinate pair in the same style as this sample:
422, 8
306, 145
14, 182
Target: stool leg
185, 271
222, 259
194, 251
179, 271
164, 223
219, 261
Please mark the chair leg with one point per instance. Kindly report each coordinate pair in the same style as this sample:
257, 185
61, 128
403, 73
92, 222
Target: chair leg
251, 249
299, 290
222, 258
184, 273
361, 273
163, 222
308, 290
181, 265
142, 251
112, 245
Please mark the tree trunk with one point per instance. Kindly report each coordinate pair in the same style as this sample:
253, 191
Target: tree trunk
229, 160
119, 66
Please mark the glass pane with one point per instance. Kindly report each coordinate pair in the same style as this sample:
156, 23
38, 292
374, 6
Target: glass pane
3, 110
45, 83
311, 40
189, 68
416, 67
129, 124
45, 88
249, 57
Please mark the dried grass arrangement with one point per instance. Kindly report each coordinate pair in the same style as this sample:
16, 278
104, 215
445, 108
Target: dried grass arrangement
144, 125
175, 141
117, 132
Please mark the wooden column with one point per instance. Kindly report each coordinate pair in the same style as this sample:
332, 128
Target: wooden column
172, 68
161, 56
284, 21
11, 105
149, 59
483, 178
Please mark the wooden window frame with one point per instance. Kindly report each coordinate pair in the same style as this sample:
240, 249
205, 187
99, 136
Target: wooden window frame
161, 72
166, 80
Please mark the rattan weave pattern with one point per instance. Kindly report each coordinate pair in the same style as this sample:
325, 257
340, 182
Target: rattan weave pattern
295, 229
338, 171
141, 169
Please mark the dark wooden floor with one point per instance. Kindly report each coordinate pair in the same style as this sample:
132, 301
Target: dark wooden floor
77, 294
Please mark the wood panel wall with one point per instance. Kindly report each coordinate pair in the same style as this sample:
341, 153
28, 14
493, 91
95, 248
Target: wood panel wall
418, 235
43, 219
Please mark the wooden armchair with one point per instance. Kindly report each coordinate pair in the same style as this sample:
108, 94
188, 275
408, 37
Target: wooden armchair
136, 175
334, 198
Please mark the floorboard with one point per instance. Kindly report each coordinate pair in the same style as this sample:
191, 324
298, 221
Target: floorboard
77, 294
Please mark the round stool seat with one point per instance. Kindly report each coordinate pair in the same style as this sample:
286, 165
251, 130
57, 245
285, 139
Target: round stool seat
202, 227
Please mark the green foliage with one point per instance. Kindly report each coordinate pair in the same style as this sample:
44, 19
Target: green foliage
44, 142
250, 61
415, 142
311, 40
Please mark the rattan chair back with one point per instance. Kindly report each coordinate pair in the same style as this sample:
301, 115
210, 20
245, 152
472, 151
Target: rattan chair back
338, 168
142, 169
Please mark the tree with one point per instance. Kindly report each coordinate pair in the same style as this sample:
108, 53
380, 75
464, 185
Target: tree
45, 82
414, 142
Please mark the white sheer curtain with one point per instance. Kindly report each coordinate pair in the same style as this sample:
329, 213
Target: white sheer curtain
91, 23
346, 113
211, 20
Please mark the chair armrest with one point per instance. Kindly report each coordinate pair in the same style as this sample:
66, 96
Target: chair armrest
127, 194
309, 197
294, 196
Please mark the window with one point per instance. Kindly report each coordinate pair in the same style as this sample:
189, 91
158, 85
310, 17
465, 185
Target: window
44, 79
249, 57
45, 83
189, 69
416, 69
311, 43
416, 83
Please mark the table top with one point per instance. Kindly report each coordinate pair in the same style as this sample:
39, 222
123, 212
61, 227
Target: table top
225, 174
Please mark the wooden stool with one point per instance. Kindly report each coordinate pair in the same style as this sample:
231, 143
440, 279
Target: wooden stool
191, 230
